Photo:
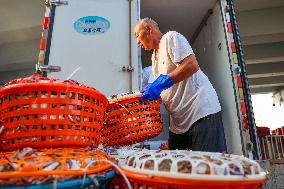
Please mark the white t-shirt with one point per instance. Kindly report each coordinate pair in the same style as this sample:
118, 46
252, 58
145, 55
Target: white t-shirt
190, 99
147, 76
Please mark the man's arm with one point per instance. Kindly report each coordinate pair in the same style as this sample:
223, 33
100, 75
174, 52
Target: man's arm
187, 67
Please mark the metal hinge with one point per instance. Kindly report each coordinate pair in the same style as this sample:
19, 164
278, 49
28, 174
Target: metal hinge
227, 8
236, 69
56, 2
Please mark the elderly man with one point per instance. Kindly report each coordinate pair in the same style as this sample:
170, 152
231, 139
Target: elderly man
195, 111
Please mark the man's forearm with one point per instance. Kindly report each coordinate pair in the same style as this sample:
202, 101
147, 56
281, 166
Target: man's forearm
187, 68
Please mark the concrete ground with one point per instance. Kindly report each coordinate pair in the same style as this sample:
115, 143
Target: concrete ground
276, 173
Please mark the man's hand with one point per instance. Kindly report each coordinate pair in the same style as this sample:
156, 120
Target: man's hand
153, 91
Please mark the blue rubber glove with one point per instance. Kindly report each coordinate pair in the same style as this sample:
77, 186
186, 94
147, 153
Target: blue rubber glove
153, 90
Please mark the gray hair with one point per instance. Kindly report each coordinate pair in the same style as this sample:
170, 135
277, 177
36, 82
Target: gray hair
148, 21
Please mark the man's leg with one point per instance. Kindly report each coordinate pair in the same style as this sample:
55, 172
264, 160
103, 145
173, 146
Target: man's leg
208, 134
178, 141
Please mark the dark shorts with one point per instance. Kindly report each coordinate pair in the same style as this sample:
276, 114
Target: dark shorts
206, 134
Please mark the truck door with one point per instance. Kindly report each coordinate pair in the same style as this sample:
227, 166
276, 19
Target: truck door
217, 46
249, 128
95, 38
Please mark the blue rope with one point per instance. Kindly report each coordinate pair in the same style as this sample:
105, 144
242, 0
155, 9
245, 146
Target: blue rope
76, 183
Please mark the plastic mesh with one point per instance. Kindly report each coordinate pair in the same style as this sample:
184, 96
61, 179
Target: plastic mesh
189, 169
52, 161
129, 122
38, 112
192, 162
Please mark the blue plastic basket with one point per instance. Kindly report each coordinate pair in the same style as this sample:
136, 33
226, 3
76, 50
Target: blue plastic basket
104, 182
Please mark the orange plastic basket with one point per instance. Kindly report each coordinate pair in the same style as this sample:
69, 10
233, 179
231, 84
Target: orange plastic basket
129, 122
42, 112
191, 169
53, 161
147, 181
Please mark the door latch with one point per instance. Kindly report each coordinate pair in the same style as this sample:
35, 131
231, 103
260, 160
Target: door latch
49, 68
56, 2
128, 68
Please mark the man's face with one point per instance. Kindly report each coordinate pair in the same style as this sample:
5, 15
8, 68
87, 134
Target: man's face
143, 37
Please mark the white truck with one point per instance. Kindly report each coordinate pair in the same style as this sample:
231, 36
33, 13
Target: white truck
96, 38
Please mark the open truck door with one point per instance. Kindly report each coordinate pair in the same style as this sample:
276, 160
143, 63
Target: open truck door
242, 81
96, 39
210, 27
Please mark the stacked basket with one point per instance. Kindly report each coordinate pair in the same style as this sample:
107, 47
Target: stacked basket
40, 112
37, 111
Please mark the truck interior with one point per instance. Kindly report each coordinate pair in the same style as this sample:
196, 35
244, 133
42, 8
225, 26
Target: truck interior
170, 16
203, 25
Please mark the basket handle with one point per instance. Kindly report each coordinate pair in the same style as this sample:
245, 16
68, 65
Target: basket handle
131, 112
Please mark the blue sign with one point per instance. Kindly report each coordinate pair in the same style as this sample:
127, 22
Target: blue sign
91, 25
